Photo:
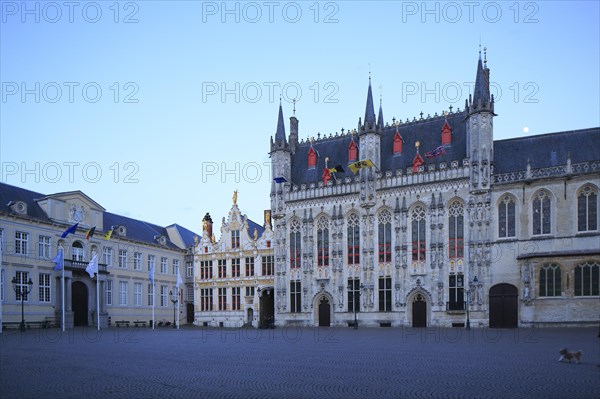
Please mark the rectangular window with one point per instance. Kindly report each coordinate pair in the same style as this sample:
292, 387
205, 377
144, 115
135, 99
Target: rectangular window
385, 242
295, 296
189, 266
190, 294
295, 248
323, 247
249, 266
21, 243
250, 292
456, 242
123, 293
353, 242
206, 299
151, 262
353, 294
222, 292
109, 291
137, 294
235, 298
222, 268
175, 267
164, 301
235, 267
122, 258
235, 239
418, 240
385, 294
44, 247
21, 287
44, 287
206, 269
137, 261
587, 280
107, 256
456, 296
150, 294
267, 265
164, 265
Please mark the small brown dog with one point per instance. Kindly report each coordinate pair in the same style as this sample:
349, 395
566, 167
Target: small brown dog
567, 356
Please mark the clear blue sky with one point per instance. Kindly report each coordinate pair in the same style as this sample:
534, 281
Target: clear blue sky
159, 110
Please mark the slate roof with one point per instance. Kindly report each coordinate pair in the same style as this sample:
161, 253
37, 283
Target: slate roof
137, 230
428, 132
546, 150
253, 225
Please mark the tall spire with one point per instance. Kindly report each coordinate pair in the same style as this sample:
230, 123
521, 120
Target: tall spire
380, 116
482, 83
369, 109
280, 134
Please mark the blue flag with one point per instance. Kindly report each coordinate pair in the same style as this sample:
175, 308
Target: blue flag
58, 260
70, 230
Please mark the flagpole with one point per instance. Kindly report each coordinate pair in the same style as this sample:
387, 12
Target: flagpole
153, 299
178, 307
98, 298
62, 261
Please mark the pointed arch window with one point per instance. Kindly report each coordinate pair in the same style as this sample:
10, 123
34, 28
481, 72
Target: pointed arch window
419, 240
353, 240
587, 279
456, 233
323, 242
506, 217
541, 213
550, 280
587, 209
295, 244
385, 236
352, 152
312, 158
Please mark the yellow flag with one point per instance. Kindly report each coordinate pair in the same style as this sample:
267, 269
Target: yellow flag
358, 165
108, 234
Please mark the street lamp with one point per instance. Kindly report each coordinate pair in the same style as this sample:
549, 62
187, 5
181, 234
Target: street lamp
351, 287
22, 290
468, 292
174, 299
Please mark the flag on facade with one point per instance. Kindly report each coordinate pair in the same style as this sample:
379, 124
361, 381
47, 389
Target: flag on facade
280, 179
179, 280
92, 267
70, 230
151, 274
108, 234
358, 165
90, 233
417, 161
58, 260
438, 151
326, 176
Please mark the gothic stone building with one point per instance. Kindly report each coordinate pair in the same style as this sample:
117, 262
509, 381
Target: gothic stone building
504, 232
31, 225
234, 275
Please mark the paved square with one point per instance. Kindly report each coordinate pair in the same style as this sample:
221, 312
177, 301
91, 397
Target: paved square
298, 363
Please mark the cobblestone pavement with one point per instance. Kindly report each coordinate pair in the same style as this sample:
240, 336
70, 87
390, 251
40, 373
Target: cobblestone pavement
298, 363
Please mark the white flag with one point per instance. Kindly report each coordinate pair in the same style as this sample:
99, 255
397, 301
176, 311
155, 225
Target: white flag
92, 267
179, 281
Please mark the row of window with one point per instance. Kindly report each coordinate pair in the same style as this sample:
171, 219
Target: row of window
164, 299
207, 303
418, 244
586, 280
125, 257
542, 209
206, 267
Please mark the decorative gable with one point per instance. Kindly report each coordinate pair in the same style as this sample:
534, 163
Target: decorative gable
352, 151
312, 158
398, 141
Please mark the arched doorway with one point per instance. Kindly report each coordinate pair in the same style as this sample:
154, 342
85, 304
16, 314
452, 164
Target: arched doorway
79, 301
419, 311
504, 306
324, 312
267, 308
249, 315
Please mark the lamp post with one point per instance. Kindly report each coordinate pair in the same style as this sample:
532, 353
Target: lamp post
22, 290
468, 292
352, 288
174, 299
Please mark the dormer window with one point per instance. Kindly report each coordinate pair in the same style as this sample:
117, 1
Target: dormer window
398, 141
312, 158
446, 134
352, 151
